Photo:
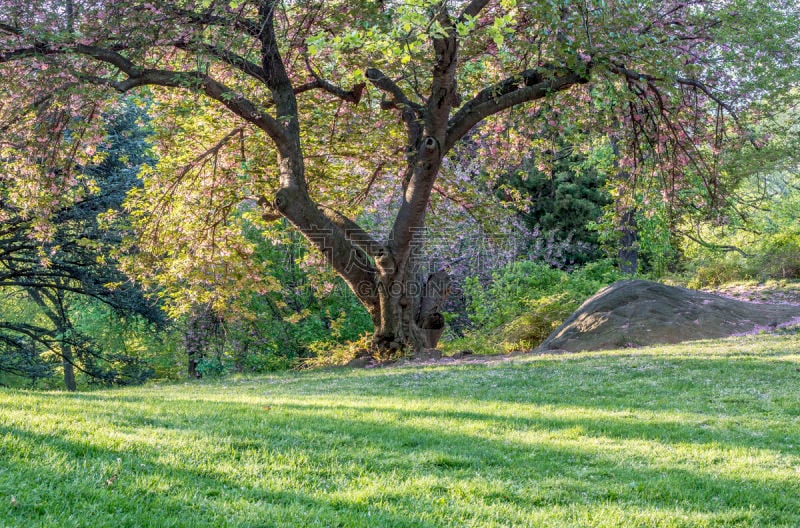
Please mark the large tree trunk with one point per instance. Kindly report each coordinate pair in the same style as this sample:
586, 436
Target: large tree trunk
404, 308
409, 319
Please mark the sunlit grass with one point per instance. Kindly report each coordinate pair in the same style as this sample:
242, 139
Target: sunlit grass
700, 435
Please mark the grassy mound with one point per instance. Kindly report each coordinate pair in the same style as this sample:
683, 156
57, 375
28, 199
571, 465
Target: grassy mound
700, 435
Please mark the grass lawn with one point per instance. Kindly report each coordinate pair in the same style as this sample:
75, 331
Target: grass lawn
700, 435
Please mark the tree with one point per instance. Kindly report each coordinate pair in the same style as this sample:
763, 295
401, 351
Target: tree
293, 94
73, 261
755, 234
561, 204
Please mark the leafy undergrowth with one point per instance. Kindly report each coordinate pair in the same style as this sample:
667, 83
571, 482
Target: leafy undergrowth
706, 434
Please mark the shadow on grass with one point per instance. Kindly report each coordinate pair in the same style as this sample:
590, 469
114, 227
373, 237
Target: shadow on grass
193, 498
352, 452
375, 442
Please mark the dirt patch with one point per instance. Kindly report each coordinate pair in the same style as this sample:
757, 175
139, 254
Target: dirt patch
459, 358
761, 293
634, 313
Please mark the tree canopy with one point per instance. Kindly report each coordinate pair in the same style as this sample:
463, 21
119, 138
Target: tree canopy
73, 262
305, 109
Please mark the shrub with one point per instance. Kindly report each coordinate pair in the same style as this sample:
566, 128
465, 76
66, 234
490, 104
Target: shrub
721, 271
506, 295
211, 368
525, 302
532, 327
779, 257
774, 256
333, 354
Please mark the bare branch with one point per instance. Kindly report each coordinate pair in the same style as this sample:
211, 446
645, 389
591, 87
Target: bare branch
706, 90
109, 56
639, 76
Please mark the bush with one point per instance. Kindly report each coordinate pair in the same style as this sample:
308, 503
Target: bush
779, 257
532, 327
507, 294
525, 302
775, 256
211, 368
721, 271
333, 354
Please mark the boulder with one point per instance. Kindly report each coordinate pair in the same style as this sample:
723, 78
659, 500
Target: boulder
633, 313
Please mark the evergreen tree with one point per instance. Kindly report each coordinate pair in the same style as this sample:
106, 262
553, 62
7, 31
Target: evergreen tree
74, 260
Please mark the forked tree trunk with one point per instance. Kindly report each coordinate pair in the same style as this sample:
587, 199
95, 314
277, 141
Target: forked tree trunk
409, 317
404, 308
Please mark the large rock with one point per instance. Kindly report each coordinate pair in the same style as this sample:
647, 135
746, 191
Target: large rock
632, 313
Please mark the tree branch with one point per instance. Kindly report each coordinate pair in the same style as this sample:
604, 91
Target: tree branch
237, 61
473, 8
399, 98
352, 96
444, 95
257, 72
13, 30
353, 232
524, 87
726, 248
325, 233
639, 76
195, 80
136, 77
411, 113
426, 159
249, 26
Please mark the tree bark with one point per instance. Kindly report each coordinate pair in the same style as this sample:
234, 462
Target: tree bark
69, 369
202, 332
628, 243
430, 318
409, 316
